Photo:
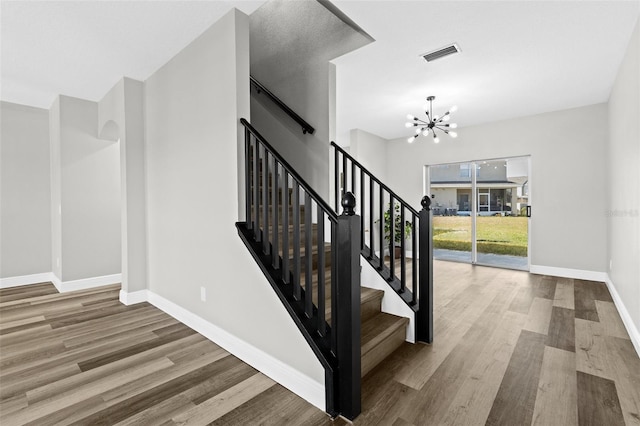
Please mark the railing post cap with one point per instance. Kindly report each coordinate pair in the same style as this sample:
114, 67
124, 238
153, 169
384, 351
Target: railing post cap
426, 202
348, 204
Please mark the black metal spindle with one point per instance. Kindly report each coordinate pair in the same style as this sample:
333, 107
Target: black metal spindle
336, 177
285, 226
296, 240
353, 177
265, 202
321, 290
381, 229
308, 253
345, 174
275, 202
371, 239
403, 259
392, 239
414, 261
247, 177
256, 191
362, 207
334, 286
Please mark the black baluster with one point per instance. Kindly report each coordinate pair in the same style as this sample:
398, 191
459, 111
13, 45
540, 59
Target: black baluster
247, 177
371, 239
336, 173
403, 260
308, 246
265, 202
345, 173
296, 240
362, 207
353, 177
285, 226
381, 236
392, 239
256, 191
334, 286
414, 261
321, 290
275, 203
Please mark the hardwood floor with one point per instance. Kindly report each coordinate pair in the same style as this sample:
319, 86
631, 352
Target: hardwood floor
510, 348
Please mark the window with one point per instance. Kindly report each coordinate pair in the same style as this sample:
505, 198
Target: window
465, 170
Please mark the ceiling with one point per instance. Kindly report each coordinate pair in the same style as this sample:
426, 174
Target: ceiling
518, 58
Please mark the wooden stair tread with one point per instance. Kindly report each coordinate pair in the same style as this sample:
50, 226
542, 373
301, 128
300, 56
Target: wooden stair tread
378, 328
367, 294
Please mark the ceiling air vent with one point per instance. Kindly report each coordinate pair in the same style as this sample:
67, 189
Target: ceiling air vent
441, 53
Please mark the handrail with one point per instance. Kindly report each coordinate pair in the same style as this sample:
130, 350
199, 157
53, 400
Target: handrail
306, 127
375, 179
330, 212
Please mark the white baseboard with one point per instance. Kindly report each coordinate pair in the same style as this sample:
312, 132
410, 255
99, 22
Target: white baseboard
280, 372
25, 280
61, 286
86, 283
134, 297
568, 273
634, 334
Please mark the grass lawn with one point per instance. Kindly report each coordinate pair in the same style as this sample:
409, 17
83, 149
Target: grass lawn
496, 234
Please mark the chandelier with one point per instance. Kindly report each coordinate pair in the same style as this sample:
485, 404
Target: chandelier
433, 122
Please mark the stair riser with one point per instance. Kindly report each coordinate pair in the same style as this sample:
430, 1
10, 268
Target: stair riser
377, 354
370, 308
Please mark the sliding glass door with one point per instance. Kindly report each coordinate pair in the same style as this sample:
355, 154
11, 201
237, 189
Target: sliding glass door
452, 206
480, 211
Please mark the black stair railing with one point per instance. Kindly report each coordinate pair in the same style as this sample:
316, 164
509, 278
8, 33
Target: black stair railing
398, 242
306, 127
311, 258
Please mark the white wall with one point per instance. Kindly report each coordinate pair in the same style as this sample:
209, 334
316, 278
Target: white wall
25, 222
622, 209
568, 177
193, 105
56, 195
121, 117
369, 150
89, 189
291, 46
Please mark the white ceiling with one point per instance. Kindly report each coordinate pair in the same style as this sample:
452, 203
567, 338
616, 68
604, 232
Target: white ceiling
82, 48
518, 57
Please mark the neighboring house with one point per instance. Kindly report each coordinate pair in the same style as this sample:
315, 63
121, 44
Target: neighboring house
498, 194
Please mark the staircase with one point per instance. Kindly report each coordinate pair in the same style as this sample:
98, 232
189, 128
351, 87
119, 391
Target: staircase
311, 256
382, 333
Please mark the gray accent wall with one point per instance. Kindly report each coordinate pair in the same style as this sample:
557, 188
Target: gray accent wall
193, 105
292, 44
25, 222
622, 205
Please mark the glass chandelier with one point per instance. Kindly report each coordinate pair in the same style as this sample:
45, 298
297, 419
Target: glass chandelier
433, 122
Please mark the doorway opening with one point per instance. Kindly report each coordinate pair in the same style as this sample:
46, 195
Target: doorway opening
481, 211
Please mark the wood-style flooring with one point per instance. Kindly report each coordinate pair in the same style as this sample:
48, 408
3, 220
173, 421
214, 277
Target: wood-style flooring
510, 348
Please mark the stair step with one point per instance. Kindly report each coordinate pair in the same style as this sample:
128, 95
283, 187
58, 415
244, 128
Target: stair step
381, 336
370, 303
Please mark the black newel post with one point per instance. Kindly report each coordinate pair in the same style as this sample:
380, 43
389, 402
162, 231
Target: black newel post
424, 323
348, 309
